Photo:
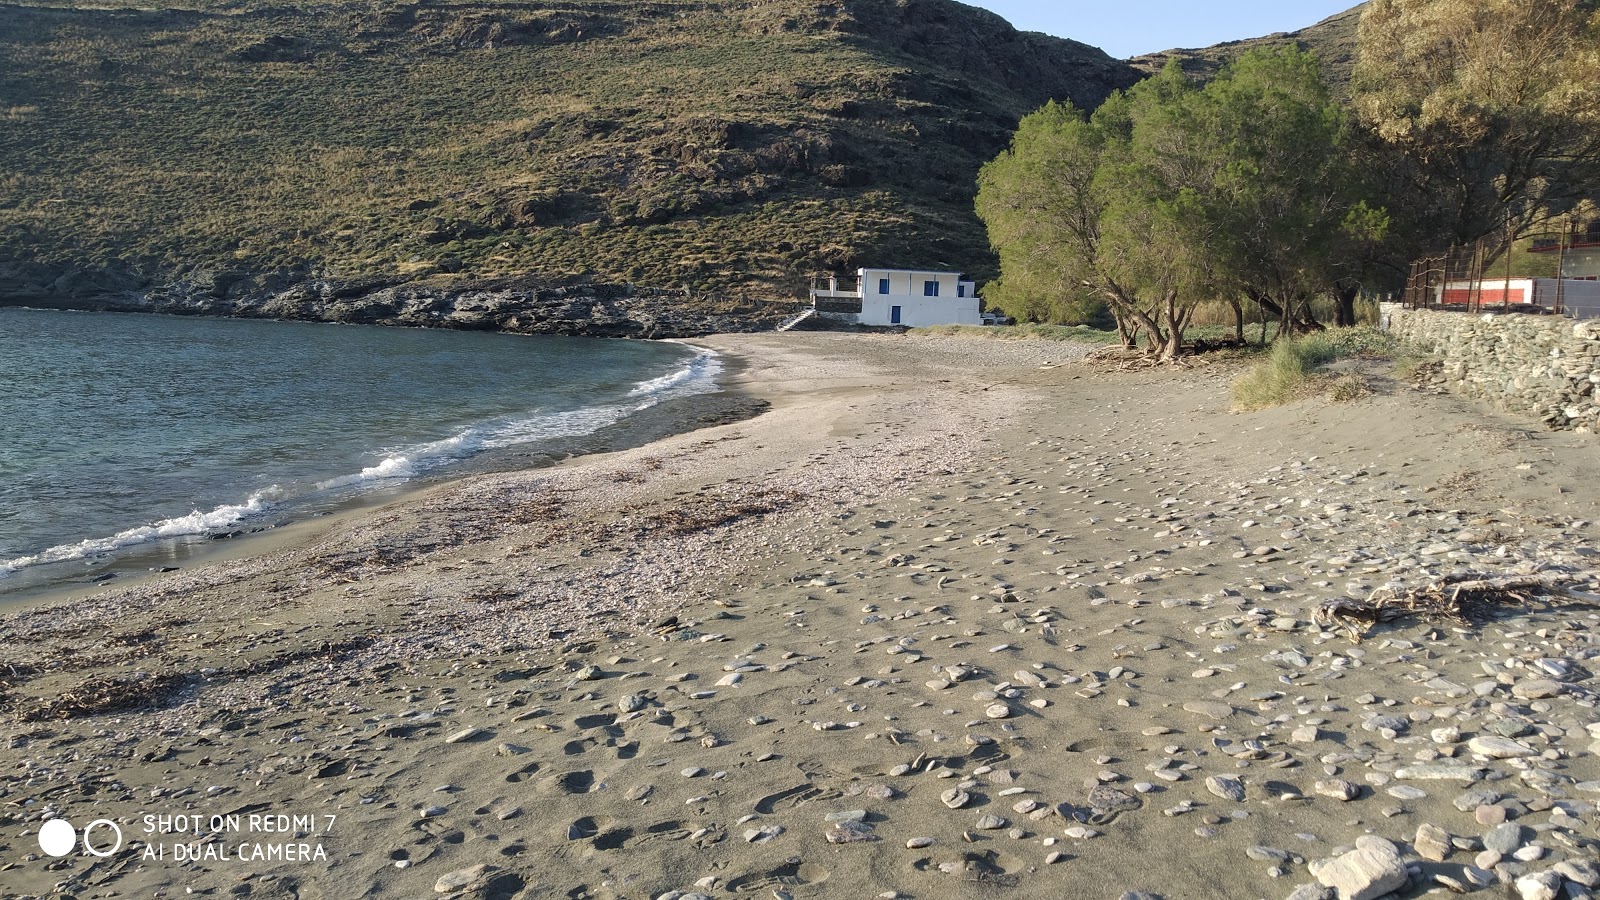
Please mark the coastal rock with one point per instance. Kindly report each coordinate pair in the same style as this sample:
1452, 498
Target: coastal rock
1578, 871
1538, 886
1432, 842
955, 798
1439, 772
1226, 787
1211, 709
1496, 747
1338, 789
849, 832
1503, 839
1536, 689
1368, 872
461, 879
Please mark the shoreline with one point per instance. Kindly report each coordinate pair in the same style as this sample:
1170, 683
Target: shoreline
508, 305
954, 614
137, 564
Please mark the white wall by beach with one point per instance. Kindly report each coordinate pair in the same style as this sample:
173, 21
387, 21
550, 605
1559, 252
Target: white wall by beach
907, 290
920, 312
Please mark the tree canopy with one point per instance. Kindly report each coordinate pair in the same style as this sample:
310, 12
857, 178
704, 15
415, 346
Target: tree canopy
1172, 193
1493, 104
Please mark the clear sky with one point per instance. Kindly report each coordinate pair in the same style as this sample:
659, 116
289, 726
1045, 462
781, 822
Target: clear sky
1125, 28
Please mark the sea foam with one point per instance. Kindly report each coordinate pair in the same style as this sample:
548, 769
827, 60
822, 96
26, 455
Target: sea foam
696, 376
195, 523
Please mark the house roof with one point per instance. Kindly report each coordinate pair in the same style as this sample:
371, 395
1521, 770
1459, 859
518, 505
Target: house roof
908, 271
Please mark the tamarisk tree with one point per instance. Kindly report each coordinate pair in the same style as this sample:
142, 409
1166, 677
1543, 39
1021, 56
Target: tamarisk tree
1171, 194
1494, 105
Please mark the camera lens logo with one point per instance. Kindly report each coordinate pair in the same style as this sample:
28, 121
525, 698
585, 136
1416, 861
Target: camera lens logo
57, 837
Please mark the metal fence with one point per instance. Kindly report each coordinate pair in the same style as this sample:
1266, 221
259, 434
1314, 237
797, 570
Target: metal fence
1554, 273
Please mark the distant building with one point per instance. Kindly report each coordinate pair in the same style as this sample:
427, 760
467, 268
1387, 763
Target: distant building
1580, 272
1580, 255
908, 297
1576, 296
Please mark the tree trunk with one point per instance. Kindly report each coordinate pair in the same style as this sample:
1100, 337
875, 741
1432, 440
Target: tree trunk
1125, 330
1238, 320
1344, 297
1303, 322
1171, 344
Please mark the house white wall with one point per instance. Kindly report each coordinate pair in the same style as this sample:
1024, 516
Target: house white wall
1581, 263
1581, 299
883, 291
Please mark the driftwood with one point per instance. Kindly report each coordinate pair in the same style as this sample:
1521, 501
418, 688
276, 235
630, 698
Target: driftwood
1456, 598
1125, 359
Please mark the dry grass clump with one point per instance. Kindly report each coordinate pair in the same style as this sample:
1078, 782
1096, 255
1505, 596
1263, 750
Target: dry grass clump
1348, 388
1294, 368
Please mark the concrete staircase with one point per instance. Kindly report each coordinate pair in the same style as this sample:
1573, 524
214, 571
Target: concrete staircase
789, 325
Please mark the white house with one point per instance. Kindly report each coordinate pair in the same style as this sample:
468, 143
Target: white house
1580, 272
900, 297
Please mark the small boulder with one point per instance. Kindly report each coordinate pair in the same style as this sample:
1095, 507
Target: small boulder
461, 879
1368, 872
1432, 842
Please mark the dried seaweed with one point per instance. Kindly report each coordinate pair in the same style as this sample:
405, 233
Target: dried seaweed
109, 694
704, 514
101, 695
1464, 599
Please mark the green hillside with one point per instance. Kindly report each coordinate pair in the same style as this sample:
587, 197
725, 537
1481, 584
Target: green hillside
1333, 39
701, 144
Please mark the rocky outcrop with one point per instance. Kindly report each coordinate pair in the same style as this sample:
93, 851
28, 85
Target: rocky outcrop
520, 306
1542, 366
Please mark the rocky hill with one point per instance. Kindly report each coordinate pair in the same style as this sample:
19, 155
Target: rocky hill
1333, 39
712, 146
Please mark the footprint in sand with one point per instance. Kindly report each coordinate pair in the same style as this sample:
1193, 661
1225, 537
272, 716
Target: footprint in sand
613, 839
523, 774
670, 830
579, 782
793, 873
798, 795
989, 867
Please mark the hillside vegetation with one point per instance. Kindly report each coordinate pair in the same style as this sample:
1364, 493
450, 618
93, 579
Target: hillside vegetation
705, 145
1333, 40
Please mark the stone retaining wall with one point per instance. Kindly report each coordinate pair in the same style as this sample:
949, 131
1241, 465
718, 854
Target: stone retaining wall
1542, 366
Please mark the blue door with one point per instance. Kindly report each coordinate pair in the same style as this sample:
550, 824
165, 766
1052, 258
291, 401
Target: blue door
894, 315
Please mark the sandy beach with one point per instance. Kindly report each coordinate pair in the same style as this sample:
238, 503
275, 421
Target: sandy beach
953, 617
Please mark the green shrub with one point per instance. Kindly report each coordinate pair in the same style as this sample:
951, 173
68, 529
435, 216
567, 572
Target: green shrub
1290, 370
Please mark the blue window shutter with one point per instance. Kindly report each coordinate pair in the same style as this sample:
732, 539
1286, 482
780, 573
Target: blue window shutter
961, 290
883, 285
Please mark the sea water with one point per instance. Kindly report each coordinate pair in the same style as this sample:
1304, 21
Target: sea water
122, 431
